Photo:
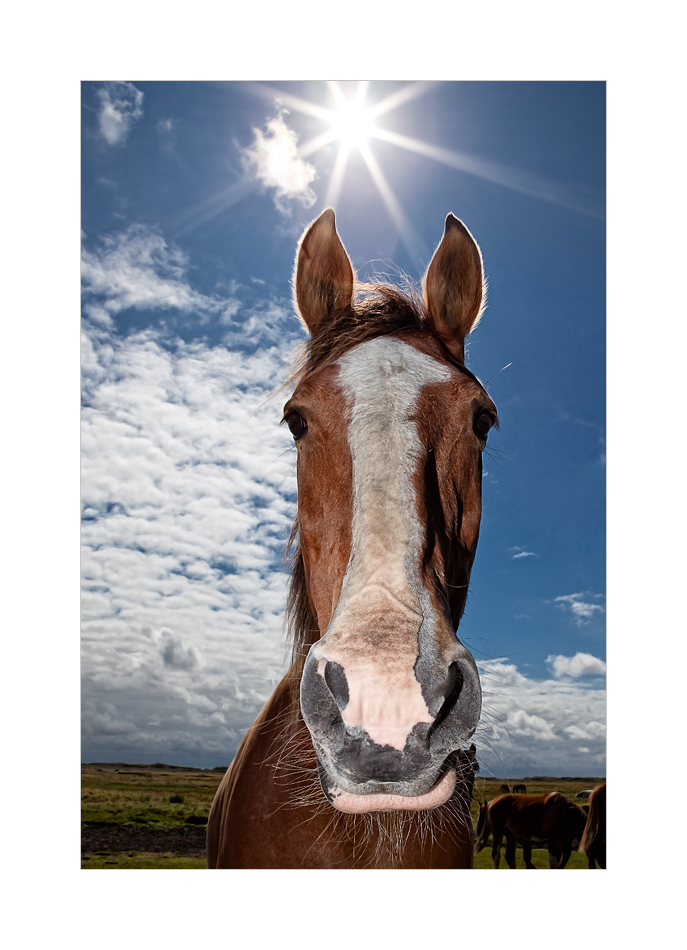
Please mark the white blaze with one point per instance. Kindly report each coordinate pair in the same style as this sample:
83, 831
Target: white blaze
374, 632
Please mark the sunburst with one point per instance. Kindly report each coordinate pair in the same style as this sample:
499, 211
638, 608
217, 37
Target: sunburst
353, 124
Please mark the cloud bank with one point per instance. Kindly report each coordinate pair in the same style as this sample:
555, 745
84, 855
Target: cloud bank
187, 497
536, 726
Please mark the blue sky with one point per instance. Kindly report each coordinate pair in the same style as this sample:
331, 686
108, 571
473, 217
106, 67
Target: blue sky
193, 198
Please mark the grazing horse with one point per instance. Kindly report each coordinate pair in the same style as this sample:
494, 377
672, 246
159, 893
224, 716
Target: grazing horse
528, 819
522, 789
593, 840
357, 759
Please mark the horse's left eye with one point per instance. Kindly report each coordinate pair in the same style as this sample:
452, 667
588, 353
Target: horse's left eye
482, 425
296, 424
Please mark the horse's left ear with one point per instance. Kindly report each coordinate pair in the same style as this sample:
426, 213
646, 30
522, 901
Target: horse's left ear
323, 282
455, 293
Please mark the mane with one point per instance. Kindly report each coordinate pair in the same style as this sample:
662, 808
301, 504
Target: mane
378, 310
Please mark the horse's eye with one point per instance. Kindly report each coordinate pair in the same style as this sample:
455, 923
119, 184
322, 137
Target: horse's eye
296, 424
482, 425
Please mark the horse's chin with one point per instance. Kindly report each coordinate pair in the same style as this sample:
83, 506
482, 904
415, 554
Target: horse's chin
355, 803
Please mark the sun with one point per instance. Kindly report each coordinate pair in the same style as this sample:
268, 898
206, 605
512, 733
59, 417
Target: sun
352, 124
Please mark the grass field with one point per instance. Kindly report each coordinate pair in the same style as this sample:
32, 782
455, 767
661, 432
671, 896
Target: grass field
144, 795
155, 816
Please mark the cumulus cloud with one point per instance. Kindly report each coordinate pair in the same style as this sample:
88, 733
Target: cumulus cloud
187, 496
582, 610
535, 727
137, 269
273, 160
582, 664
121, 104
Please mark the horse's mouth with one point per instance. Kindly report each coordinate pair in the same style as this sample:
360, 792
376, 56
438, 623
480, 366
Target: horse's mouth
383, 798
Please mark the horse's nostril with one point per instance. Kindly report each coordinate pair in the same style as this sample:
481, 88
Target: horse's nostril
454, 685
335, 678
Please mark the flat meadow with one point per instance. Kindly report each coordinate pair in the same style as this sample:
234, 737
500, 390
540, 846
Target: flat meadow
155, 816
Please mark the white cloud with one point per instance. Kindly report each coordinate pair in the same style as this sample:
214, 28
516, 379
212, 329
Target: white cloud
582, 664
121, 103
535, 727
591, 730
137, 269
187, 492
521, 552
582, 610
273, 159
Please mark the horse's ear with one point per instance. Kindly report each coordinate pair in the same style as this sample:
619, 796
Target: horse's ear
454, 288
324, 277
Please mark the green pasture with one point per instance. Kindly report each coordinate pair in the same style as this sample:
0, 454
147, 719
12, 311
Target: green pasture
168, 798
144, 796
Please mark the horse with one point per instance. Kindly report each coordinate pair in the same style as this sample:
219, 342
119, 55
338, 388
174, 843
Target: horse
520, 788
593, 840
358, 759
505, 788
528, 819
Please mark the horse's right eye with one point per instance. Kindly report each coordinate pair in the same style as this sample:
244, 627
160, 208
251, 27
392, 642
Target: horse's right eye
296, 424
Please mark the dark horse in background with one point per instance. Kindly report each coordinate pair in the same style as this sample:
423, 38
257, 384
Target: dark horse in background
530, 820
593, 840
358, 760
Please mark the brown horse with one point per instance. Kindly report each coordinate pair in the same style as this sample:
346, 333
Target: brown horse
593, 840
357, 759
530, 819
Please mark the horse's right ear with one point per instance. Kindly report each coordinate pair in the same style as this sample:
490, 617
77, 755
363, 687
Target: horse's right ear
323, 281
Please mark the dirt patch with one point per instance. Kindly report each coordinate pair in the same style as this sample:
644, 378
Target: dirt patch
189, 842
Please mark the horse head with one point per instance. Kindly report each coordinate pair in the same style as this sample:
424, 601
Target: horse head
389, 427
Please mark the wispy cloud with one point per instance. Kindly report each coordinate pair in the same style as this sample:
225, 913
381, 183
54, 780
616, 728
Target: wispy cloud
121, 104
579, 605
521, 552
137, 269
273, 159
582, 664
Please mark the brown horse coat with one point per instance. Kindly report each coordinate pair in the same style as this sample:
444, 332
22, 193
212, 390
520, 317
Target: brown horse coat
272, 796
547, 818
594, 837
358, 758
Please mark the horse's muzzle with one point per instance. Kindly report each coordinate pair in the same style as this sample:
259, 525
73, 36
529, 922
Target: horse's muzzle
351, 763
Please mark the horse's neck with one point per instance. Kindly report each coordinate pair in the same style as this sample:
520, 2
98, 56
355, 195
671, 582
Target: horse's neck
270, 811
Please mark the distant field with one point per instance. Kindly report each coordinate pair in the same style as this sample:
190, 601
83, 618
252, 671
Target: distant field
138, 816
